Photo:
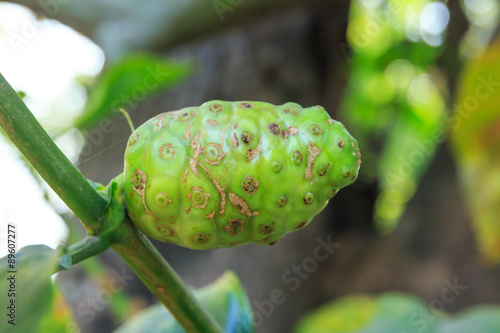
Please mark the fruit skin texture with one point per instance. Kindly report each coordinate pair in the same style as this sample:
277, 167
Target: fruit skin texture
229, 173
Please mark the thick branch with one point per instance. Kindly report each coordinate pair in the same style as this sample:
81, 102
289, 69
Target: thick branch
110, 225
43, 154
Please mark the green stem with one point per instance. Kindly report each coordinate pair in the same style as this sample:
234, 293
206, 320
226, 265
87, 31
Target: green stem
43, 154
88, 247
161, 279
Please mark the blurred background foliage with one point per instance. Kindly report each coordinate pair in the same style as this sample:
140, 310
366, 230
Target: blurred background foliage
410, 79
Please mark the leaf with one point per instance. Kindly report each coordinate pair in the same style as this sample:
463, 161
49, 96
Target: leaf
475, 139
409, 148
485, 319
129, 81
387, 313
33, 287
395, 313
59, 317
393, 105
225, 300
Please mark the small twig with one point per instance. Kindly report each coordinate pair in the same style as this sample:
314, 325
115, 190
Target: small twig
127, 116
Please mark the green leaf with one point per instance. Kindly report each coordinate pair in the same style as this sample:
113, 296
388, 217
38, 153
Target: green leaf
225, 300
33, 287
475, 138
129, 81
395, 313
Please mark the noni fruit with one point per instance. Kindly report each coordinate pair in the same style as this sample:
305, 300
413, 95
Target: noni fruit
229, 173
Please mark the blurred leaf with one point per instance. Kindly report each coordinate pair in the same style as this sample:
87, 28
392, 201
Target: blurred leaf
483, 319
475, 137
33, 287
59, 318
129, 81
409, 148
387, 313
393, 106
395, 313
225, 300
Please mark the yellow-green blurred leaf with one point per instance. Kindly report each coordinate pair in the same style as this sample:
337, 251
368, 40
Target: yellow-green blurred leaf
396, 313
389, 313
475, 137
59, 318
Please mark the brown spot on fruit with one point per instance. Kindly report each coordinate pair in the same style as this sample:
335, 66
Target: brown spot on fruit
341, 144
331, 194
297, 157
292, 130
133, 139
167, 151
246, 137
300, 225
250, 185
198, 197
266, 229
241, 205
139, 181
165, 230
281, 201
212, 122
253, 153
234, 226
211, 217
234, 141
246, 105
215, 108
312, 153
315, 129
218, 187
323, 169
213, 153
274, 128
347, 174
162, 200
292, 110
200, 238
139, 184
309, 198
186, 116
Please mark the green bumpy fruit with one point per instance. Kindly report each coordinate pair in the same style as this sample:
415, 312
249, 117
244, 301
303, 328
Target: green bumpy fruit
229, 173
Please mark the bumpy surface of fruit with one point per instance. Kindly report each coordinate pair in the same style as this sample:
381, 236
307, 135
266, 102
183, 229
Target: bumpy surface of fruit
228, 173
